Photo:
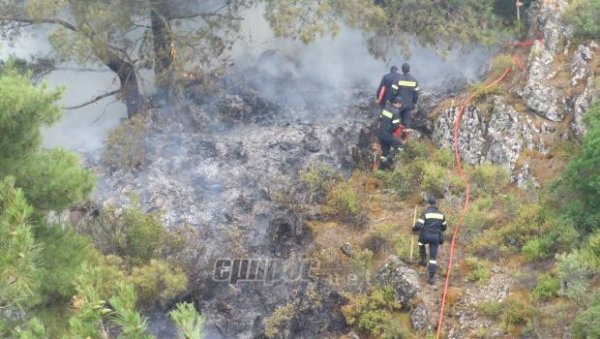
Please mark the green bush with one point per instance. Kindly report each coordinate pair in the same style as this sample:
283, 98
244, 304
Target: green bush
489, 178
583, 15
477, 218
478, 270
574, 276
433, 178
343, 200
373, 314
60, 265
586, 324
190, 323
490, 309
546, 288
319, 178
443, 157
515, 313
500, 62
158, 282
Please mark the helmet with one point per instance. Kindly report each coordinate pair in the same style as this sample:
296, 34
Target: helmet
431, 200
405, 68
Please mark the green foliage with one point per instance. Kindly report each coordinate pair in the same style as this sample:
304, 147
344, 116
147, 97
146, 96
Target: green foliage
574, 276
23, 110
158, 282
133, 234
433, 178
586, 324
546, 288
392, 23
19, 253
489, 178
583, 195
132, 325
481, 91
60, 265
515, 313
343, 200
500, 63
125, 145
189, 322
373, 313
443, 157
583, 15
477, 218
49, 179
54, 180
34, 329
479, 271
490, 309
320, 179
558, 234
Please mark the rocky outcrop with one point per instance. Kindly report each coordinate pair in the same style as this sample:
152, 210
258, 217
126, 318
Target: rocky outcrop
403, 279
581, 74
498, 136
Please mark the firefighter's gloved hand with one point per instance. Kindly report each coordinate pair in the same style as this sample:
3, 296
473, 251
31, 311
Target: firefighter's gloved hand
416, 229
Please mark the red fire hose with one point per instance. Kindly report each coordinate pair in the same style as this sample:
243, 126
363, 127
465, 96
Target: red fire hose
456, 141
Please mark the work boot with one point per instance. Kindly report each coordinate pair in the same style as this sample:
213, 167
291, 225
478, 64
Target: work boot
423, 262
431, 279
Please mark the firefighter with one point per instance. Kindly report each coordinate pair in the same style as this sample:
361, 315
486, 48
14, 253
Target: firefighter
407, 89
385, 86
430, 226
388, 123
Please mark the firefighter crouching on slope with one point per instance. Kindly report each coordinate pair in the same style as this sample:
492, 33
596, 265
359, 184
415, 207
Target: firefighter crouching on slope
407, 89
389, 120
385, 86
430, 226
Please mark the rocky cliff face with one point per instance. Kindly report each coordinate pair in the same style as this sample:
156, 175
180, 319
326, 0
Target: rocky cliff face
542, 107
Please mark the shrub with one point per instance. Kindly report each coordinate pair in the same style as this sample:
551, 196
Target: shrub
343, 200
124, 146
477, 217
372, 314
515, 313
433, 178
490, 309
573, 275
586, 324
54, 180
319, 178
158, 282
135, 235
546, 288
481, 90
190, 323
489, 178
479, 272
583, 15
443, 157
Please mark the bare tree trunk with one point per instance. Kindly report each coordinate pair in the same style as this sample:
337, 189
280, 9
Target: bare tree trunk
163, 43
130, 91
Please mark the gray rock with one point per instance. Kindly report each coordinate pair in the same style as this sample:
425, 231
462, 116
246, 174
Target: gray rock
581, 104
471, 138
403, 279
348, 250
419, 316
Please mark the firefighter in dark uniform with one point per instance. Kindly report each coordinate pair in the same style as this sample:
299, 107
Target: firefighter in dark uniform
407, 89
430, 226
386, 86
388, 123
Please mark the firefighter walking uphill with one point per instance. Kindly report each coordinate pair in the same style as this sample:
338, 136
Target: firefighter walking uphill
430, 226
407, 89
389, 120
